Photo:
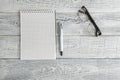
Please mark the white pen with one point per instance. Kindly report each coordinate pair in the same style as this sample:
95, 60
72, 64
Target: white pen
61, 39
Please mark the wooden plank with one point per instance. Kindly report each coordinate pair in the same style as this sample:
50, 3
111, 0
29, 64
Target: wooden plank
74, 47
72, 24
9, 47
80, 25
69, 69
60, 5
91, 47
9, 24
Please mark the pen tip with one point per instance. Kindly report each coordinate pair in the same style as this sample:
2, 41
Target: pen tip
61, 53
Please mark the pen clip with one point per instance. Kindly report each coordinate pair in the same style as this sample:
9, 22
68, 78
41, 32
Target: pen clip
85, 11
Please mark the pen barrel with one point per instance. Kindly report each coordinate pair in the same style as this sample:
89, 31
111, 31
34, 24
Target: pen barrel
61, 39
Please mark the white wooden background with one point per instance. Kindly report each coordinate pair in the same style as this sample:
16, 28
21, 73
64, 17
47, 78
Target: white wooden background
106, 14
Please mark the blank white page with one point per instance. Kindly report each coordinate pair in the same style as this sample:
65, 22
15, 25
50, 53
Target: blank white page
38, 34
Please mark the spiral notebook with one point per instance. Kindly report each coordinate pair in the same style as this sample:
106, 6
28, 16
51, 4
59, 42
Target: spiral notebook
38, 34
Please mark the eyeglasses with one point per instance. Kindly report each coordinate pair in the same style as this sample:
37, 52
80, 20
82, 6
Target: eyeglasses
85, 11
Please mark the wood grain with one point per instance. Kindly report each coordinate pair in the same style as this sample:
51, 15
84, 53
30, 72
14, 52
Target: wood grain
106, 14
91, 47
74, 47
62, 69
72, 23
60, 5
9, 47
9, 24
80, 25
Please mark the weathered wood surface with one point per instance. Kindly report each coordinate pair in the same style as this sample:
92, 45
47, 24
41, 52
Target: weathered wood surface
106, 14
9, 47
72, 23
73, 28
69, 69
60, 5
9, 24
74, 47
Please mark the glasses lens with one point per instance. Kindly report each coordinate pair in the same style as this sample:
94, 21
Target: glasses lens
82, 17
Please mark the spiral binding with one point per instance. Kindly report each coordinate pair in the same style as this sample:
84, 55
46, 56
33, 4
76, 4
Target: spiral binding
38, 11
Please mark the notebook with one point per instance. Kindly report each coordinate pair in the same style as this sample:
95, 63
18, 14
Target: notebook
38, 41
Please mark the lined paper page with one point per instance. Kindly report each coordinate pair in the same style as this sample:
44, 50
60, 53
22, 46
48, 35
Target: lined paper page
38, 34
